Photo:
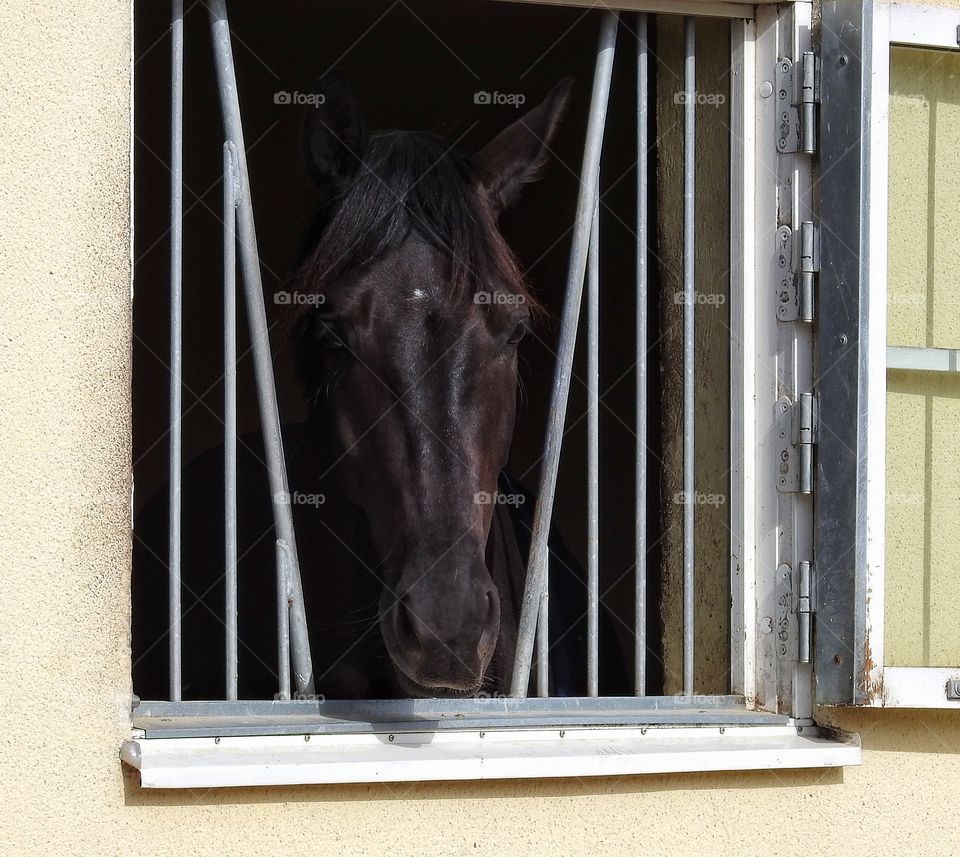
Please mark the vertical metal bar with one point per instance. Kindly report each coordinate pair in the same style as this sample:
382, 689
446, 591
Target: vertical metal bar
230, 408
176, 346
640, 546
537, 567
543, 647
593, 453
689, 307
283, 617
260, 342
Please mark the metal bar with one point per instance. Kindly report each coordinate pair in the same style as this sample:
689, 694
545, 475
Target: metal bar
539, 550
851, 345
640, 546
283, 618
689, 308
260, 342
593, 454
438, 708
230, 409
176, 348
923, 359
543, 646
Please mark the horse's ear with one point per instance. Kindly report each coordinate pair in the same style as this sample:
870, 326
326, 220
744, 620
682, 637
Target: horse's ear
334, 138
515, 156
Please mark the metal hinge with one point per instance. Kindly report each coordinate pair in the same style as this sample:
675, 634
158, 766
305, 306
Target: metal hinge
796, 427
795, 290
798, 93
794, 612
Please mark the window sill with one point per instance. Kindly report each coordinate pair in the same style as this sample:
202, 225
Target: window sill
500, 753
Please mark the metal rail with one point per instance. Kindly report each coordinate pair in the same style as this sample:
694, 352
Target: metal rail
689, 312
536, 586
260, 343
176, 349
238, 228
230, 198
640, 546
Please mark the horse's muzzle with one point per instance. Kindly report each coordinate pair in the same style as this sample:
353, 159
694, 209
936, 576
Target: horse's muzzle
443, 631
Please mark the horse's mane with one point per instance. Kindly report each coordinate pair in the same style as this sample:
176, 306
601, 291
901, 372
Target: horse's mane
412, 183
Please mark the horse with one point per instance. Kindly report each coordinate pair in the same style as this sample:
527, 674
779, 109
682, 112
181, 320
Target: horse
412, 538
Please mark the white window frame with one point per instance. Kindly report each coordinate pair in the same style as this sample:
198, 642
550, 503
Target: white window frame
925, 27
775, 729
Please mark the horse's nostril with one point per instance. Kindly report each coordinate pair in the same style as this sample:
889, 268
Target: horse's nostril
405, 629
493, 607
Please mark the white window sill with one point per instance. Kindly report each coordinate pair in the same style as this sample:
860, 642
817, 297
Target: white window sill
472, 755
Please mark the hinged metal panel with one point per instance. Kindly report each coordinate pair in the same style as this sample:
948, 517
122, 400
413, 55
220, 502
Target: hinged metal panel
794, 610
798, 93
809, 266
795, 428
798, 266
847, 452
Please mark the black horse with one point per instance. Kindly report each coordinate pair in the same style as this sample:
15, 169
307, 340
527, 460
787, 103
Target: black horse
412, 541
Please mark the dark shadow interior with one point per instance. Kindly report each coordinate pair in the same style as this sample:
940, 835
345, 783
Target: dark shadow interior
413, 65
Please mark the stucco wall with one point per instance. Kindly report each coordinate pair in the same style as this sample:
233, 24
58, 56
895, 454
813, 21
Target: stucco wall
64, 548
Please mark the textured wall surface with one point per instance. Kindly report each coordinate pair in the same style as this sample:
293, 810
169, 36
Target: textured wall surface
65, 546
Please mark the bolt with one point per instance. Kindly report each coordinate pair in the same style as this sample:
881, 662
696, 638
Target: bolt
216, 740
390, 738
766, 89
843, 339
844, 59
306, 737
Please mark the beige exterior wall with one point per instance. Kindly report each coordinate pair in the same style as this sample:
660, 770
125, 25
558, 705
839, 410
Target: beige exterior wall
65, 549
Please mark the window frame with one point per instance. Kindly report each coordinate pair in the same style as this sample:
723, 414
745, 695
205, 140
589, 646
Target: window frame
765, 723
853, 602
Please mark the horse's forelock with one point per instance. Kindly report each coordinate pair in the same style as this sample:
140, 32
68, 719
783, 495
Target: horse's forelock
413, 183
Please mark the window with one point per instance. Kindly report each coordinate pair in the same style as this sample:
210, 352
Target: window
905, 647
728, 423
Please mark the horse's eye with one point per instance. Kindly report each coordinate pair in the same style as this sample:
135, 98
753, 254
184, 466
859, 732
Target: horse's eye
330, 334
519, 332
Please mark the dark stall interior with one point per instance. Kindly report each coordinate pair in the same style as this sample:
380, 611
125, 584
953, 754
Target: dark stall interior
413, 65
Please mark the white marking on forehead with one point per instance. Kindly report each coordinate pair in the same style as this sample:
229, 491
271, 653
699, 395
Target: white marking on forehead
418, 294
